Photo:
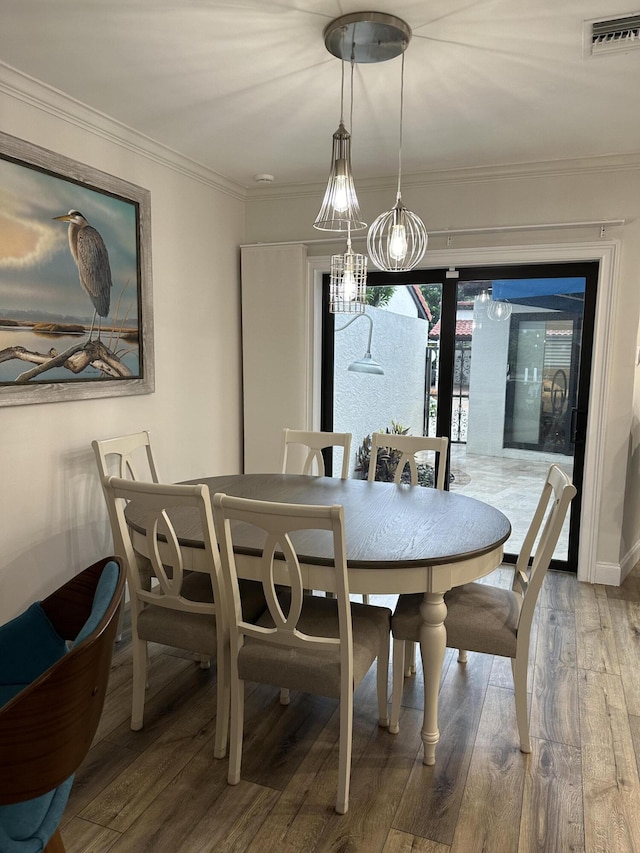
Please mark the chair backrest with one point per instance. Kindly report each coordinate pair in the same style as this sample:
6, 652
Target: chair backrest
47, 728
557, 493
280, 565
126, 452
316, 442
408, 446
164, 554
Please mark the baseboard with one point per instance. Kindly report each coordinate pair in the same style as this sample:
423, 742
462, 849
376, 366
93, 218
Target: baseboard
629, 560
609, 574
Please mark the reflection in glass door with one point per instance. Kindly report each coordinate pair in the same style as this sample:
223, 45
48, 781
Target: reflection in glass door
541, 384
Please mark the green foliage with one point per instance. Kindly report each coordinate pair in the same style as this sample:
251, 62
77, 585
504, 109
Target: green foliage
378, 297
387, 461
433, 297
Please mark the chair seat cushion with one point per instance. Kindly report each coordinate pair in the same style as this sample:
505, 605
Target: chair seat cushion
480, 618
29, 645
309, 670
27, 827
194, 632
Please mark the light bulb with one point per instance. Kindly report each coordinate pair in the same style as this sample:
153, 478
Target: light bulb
341, 187
348, 285
398, 242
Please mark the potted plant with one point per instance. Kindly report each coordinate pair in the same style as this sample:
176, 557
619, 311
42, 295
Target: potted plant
387, 461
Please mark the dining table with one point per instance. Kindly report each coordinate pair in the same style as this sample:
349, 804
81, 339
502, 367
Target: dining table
399, 539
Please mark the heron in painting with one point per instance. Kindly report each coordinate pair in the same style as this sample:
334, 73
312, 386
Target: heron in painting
91, 257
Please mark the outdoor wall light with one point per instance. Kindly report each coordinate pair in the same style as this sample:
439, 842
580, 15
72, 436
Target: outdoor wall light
366, 364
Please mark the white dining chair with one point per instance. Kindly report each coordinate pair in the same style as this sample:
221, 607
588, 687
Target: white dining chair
495, 621
304, 642
315, 443
123, 456
434, 449
183, 609
130, 457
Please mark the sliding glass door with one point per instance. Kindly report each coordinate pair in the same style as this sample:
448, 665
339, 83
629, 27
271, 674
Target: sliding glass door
498, 359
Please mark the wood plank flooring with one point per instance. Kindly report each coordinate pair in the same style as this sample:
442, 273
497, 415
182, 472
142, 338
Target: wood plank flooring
162, 790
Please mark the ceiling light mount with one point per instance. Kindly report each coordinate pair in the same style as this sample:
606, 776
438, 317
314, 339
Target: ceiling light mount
367, 37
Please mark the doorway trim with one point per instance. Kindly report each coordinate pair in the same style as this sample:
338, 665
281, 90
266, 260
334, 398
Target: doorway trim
607, 254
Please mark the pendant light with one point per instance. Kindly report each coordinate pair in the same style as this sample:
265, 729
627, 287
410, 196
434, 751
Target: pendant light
397, 240
363, 37
348, 282
340, 209
499, 310
348, 278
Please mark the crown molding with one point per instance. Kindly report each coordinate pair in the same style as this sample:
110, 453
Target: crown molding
470, 175
50, 100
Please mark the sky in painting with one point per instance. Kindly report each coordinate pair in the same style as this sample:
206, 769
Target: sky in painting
37, 270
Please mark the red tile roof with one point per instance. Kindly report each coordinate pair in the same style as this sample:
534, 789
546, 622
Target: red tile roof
464, 329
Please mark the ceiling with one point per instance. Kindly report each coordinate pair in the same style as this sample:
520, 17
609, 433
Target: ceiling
246, 87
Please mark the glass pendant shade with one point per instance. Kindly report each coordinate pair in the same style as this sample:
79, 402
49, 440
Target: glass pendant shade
348, 283
397, 240
340, 210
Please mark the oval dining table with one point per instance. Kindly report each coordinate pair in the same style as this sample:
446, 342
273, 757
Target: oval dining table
400, 539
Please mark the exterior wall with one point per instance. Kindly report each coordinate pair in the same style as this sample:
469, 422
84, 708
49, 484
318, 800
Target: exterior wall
54, 522
362, 402
402, 303
485, 430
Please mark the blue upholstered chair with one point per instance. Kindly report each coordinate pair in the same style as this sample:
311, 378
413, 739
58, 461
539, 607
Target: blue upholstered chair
54, 667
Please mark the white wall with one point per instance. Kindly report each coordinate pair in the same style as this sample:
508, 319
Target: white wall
53, 518
531, 195
275, 384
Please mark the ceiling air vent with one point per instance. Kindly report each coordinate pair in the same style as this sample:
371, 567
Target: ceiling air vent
617, 35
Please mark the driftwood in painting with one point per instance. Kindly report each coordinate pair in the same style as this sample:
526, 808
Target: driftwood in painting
76, 359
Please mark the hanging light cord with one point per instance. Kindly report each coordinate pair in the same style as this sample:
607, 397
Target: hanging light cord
349, 249
401, 117
353, 46
342, 78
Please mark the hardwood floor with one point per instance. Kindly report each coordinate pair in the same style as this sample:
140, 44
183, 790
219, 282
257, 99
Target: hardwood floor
161, 790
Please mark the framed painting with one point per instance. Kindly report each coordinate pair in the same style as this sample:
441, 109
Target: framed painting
76, 311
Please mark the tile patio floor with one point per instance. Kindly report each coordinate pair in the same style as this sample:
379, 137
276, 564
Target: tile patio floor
512, 483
